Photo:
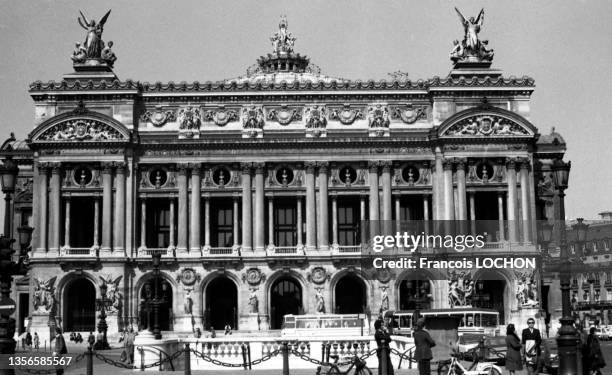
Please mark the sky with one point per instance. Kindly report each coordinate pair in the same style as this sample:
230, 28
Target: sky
563, 45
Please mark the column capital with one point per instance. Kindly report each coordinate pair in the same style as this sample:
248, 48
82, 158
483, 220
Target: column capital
245, 168
120, 166
511, 163
386, 165
107, 167
447, 164
182, 168
461, 163
310, 166
323, 166
373, 166
259, 167
56, 167
525, 163
43, 167
196, 168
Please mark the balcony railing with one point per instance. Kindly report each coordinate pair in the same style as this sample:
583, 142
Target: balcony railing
354, 249
79, 251
148, 252
224, 251
284, 250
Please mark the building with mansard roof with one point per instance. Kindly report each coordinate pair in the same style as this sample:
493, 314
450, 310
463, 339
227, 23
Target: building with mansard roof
257, 191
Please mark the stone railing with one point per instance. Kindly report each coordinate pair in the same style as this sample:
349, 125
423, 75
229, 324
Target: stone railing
145, 252
79, 251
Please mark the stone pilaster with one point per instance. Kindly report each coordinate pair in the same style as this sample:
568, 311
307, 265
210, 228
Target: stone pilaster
387, 214
119, 230
323, 207
247, 215
300, 241
271, 221
236, 222
55, 208
374, 199
461, 195
334, 221
107, 206
311, 221
512, 200
194, 231
258, 220
67, 223
438, 186
43, 170
449, 204
143, 224
525, 202
500, 214
183, 210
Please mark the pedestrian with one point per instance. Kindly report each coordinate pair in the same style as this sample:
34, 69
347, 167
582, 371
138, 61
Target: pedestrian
60, 348
532, 340
213, 334
36, 341
228, 329
583, 348
514, 361
129, 346
423, 344
79, 338
595, 357
91, 339
382, 337
198, 333
28, 340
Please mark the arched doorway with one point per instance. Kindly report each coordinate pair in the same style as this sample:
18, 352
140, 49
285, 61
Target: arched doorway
221, 304
147, 293
285, 298
489, 294
350, 295
415, 294
80, 306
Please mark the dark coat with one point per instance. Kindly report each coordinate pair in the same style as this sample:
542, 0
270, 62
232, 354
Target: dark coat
514, 361
60, 345
535, 335
379, 336
423, 344
595, 356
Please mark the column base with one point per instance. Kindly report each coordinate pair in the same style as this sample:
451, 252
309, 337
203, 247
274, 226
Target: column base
196, 252
181, 252
105, 252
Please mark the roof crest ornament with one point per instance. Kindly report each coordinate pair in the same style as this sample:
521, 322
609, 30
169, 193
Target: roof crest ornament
282, 40
471, 49
93, 52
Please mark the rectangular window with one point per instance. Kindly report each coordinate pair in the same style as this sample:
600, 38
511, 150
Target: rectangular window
222, 230
82, 222
348, 222
285, 222
158, 223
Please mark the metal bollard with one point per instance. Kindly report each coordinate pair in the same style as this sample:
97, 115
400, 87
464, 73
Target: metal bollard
285, 358
187, 359
244, 356
382, 360
141, 350
249, 354
410, 359
322, 352
89, 355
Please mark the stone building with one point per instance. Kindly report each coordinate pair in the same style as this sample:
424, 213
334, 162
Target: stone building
257, 190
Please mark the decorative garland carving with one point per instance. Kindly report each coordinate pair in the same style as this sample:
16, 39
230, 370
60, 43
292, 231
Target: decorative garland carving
284, 115
253, 276
346, 115
409, 114
158, 117
81, 130
318, 275
488, 125
221, 116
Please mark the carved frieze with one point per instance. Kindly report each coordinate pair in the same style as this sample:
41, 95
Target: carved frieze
378, 116
284, 115
408, 114
253, 117
315, 117
221, 116
81, 130
346, 115
189, 119
158, 117
487, 125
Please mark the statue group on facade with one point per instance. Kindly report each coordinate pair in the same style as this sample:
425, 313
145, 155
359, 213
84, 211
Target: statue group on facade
526, 291
112, 291
460, 290
471, 48
44, 294
282, 40
93, 49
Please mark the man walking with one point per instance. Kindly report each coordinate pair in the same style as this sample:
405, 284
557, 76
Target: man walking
60, 348
532, 341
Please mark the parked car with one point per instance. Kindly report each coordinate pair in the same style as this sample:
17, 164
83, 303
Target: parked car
495, 348
603, 333
550, 356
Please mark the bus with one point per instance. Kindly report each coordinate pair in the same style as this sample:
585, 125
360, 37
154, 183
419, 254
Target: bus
324, 325
472, 321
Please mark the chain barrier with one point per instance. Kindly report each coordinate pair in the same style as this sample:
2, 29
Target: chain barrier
321, 363
266, 357
112, 362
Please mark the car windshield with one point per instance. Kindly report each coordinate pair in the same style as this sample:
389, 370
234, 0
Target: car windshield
496, 341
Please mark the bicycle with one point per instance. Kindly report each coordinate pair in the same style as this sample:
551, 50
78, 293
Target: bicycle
333, 367
454, 367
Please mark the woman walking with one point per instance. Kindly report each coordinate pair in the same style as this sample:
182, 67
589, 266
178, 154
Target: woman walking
513, 355
595, 357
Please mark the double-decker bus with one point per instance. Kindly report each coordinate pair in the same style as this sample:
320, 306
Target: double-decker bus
471, 320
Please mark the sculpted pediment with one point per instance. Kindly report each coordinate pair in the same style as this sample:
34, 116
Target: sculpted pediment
489, 123
80, 126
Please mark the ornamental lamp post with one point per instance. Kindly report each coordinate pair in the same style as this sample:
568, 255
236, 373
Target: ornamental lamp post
581, 229
567, 339
102, 326
545, 231
25, 237
8, 176
157, 300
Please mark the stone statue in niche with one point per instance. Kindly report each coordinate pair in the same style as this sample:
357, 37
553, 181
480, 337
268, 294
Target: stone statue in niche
319, 301
384, 299
253, 302
44, 294
188, 304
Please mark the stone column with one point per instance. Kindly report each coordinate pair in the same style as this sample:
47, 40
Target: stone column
96, 228
67, 223
172, 234
374, 201
196, 194
43, 169
449, 204
259, 223
119, 230
143, 223
131, 196
500, 214
335, 221
438, 186
323, 207
271, 221
236, 223
55, 209
426, 208
311, 223
300, 242
247, 239
183, 210
461, 197
472, 196
398, 214
362, 218
511, 201
387, 215
207, 223
107, 207
525, 203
